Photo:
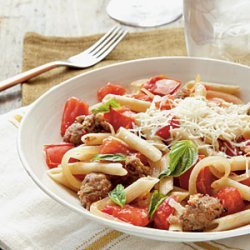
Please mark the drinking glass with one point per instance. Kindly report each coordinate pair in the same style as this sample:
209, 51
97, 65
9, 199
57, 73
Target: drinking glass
218, 29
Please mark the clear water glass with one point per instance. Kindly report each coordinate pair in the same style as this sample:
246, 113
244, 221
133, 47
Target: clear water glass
218, 29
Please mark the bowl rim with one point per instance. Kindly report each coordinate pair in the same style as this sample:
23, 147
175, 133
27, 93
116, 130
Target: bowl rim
124, 227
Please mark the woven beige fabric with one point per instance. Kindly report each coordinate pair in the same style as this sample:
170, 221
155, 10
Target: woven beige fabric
39, 49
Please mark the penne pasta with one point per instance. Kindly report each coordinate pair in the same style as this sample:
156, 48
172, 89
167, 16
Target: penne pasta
230, 89
133, 104
57, 175
166, 185
99, 167
91, 139
231, 221
226, 97
142, 146
181, 195
239, 163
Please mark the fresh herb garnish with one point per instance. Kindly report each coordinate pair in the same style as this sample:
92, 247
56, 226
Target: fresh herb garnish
110, 157
118, 196
183, 155
106, 106
156, 200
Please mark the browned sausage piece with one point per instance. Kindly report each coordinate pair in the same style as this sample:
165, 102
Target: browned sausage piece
200, 211
85, 124
95, 186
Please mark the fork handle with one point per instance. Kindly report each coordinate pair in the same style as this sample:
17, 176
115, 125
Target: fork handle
12, 81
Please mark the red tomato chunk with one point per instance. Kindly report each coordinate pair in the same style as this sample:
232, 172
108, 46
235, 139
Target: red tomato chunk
55, 152
162, 214
204, 181
161, 85
231, 200
72, 108
164, 132
113, 146
133, 215
120, 118
110, 89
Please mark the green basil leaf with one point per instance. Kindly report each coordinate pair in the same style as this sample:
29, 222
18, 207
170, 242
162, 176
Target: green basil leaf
118, 196
183, 155
164, 173
110, 157
156, 200
106, 106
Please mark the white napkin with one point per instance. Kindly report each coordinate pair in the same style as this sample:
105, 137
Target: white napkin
29, 219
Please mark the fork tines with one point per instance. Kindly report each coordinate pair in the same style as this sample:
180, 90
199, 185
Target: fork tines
107, 43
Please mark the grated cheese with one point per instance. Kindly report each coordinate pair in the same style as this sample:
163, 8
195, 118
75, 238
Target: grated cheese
199, 118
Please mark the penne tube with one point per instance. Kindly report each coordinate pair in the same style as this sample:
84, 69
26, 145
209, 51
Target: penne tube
158, 144
94, 138
166, 185
221, 164
160, 165
89, 167
227, 182
175, 227
139, 188
181, 195
140, 145
57, 175
239, 163
226, 97
229, 89
231, 221
82, 153
132, 103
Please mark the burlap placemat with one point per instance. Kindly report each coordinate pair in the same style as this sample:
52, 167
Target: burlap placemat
39, 49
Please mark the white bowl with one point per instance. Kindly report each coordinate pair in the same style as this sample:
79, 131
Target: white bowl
41, 125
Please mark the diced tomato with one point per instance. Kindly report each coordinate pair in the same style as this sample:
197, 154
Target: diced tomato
166, 103
113, 146
229, 149
72, 108
204, 181
161, 85
55, 152
184, 178
133, 215
120, 118
164, 132
110, 89
246, 182
231, 200
160, 218
142, 96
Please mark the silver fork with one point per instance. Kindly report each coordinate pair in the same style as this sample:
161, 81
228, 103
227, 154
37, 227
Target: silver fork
85, 59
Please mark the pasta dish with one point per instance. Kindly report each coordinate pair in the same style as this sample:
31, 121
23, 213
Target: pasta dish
161, 154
